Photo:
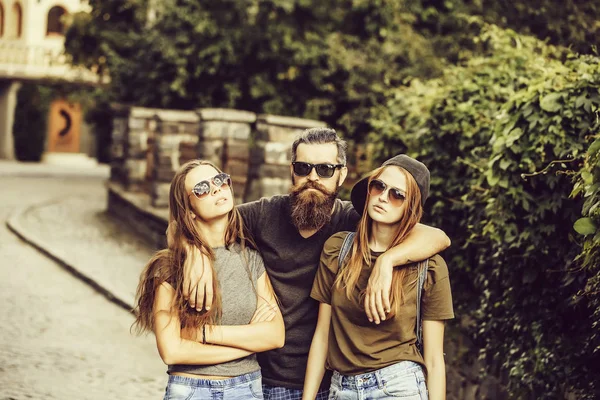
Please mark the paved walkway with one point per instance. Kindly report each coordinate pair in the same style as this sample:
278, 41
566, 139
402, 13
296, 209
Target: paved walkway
60, 339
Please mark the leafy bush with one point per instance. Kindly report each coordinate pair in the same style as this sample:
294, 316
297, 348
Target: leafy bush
29, 127
329, 60
487, 130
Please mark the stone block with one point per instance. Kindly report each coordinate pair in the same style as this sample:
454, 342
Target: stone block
226, 114
168, 143
211, 130
177, 116
143, 112
160, 194
289, 122
266, 187
137, 143
161, 159
163, 174
237, 169
210, 149
188, 151
136, 170
168, 128
238, 131
117, 173
117, 150
270, 171
136, 123
237, 150
271, 153
273, 133
119, 128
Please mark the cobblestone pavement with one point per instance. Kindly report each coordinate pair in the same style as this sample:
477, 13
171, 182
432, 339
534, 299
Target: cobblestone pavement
60, 339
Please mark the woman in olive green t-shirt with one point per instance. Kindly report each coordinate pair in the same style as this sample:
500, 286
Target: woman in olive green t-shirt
377, 361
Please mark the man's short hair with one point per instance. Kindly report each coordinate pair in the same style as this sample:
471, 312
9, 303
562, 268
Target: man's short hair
321, 136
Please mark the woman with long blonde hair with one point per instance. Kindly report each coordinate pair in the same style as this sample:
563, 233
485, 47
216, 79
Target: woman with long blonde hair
210, 354
378, 361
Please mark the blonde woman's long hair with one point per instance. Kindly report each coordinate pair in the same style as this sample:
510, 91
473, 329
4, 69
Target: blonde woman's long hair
360, 254
167, 264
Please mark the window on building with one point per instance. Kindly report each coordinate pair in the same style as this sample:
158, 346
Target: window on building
55, 20
17, 18
1, 20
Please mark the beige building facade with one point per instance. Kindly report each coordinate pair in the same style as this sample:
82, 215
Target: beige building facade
32, 50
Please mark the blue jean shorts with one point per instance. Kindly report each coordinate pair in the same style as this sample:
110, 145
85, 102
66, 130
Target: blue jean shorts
243, 387
404, 379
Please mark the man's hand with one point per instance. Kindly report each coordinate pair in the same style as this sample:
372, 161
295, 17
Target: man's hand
377, 298
197, 279
264, 313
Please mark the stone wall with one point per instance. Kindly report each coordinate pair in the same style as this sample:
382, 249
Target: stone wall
133, 129
224, 139
175, 130
149, 145
270, 157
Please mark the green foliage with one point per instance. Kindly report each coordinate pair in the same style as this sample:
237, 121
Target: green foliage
569, 23
31, 117
588, 186
503, 136
29, 128
328, 60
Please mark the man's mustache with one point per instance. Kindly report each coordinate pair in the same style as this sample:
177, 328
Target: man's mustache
313, 185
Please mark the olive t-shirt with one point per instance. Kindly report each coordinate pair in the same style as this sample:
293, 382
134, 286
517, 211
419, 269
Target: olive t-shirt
358, 346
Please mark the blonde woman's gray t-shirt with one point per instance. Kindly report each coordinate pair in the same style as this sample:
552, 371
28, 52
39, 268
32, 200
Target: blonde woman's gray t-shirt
239, 301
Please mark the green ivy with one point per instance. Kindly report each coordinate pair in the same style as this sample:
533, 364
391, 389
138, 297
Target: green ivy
504, 135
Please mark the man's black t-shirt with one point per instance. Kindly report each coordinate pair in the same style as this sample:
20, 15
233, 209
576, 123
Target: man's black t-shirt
291, 262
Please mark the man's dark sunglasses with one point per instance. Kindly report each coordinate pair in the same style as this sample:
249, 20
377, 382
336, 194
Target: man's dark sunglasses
323, 170
395, 195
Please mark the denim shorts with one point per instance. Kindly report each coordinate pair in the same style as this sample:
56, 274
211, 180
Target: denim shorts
243, 387
404, 379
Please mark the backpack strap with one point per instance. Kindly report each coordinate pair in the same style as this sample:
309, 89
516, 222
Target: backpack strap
421, 277
345, 249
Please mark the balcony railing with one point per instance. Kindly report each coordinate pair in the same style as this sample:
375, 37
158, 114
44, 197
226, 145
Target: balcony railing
40, 62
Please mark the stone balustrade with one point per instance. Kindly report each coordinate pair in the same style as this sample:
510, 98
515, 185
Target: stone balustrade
22, 61
133, 130
149, 145
175, 130
224, 140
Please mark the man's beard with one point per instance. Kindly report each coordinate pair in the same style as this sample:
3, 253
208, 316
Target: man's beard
311, 209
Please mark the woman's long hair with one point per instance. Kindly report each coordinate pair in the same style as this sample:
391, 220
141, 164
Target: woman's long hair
167, 265
360, 254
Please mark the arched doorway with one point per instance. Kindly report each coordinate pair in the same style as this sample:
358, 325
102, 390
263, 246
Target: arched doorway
1, 20
16, 24
55, 25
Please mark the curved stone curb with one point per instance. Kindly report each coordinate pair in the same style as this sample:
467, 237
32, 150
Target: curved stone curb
30, 238
41, 170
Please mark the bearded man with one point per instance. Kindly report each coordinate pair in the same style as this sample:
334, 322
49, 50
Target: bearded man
290, 231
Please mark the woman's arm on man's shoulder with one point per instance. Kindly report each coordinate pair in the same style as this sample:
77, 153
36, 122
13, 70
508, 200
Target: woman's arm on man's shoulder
421, 243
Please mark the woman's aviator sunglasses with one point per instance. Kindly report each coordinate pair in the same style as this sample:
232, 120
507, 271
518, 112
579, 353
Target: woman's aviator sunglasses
323, 170
202, 188
395, 196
